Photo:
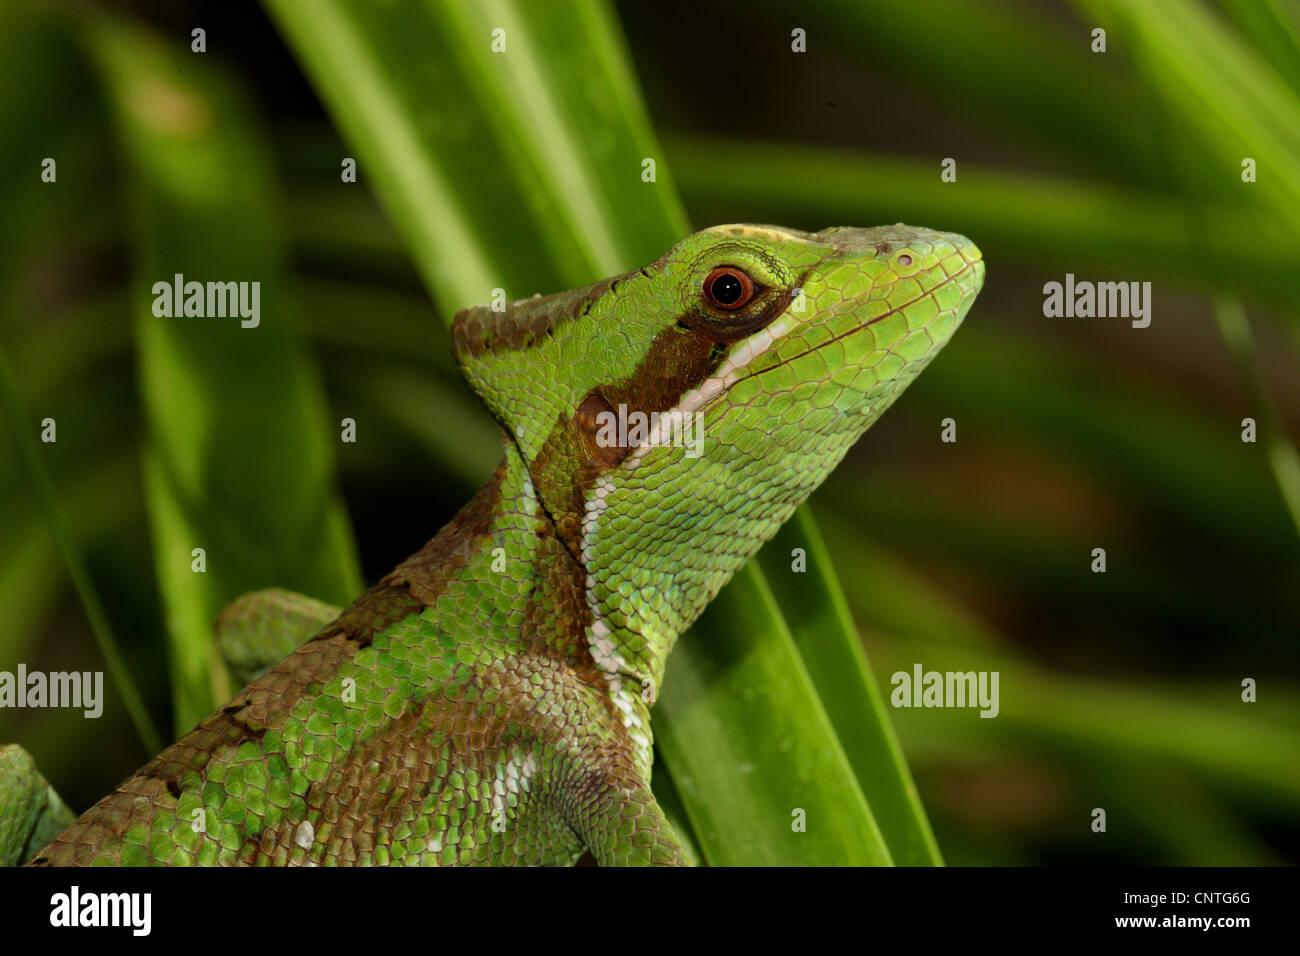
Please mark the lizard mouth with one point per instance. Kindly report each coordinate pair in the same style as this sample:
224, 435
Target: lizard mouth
730, 381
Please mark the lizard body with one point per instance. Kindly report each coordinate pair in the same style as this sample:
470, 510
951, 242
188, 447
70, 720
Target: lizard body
488, 700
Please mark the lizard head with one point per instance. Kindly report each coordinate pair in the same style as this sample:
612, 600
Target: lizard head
673, 417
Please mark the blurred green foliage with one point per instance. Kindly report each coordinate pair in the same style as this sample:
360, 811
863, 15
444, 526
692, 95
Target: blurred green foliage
1119, 691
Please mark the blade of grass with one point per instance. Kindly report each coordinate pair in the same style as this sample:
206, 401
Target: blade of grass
671, 802
220, 400
101, 500
814, 604
726, 745
1282, 457
1215, 85
336, 43
1274, 26
48, 500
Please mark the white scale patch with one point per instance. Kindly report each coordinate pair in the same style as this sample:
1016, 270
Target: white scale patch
611, 663
512, 776
530, 495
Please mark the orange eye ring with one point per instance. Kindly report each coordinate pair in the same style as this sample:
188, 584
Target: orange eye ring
728, 288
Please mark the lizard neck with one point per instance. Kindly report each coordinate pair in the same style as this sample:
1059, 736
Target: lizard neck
522, 589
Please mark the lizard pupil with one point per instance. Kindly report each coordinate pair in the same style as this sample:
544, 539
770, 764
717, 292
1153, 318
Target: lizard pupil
728, 288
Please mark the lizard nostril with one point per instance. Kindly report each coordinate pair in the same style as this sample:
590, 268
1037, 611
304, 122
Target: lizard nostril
905, 260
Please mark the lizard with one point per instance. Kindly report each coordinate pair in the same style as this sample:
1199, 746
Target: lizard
488, 701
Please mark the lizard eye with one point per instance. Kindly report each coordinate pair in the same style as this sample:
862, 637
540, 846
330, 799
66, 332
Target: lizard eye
727, 287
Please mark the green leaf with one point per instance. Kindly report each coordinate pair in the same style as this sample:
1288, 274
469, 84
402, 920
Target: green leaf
1215, 88
220, 399
752, 751
813, 603
1282, 456
64, 540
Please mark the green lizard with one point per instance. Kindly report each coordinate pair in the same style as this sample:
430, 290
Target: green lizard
488, 701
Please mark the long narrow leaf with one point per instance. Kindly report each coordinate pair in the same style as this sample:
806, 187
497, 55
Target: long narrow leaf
220, 398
